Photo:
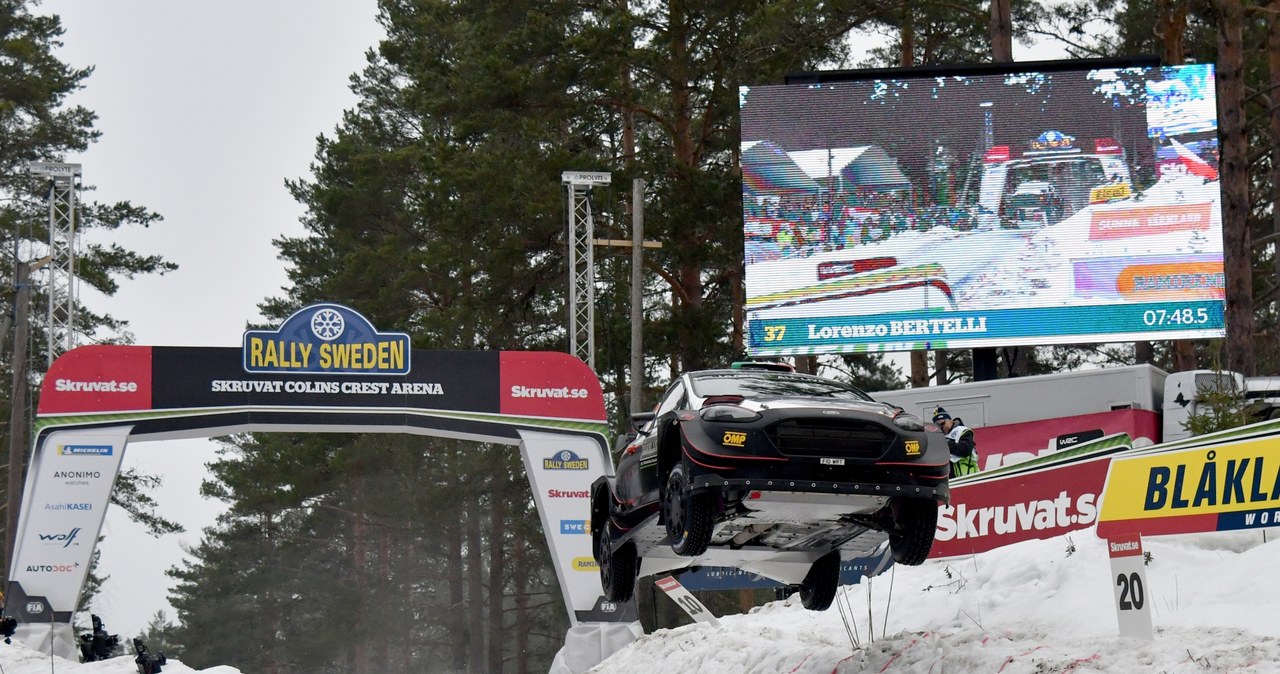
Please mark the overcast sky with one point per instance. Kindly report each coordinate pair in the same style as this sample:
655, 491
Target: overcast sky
205, 109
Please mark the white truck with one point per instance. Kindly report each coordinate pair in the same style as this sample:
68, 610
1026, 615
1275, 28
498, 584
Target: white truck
1024, 417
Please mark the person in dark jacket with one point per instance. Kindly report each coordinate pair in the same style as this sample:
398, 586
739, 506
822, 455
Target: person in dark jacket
964, 451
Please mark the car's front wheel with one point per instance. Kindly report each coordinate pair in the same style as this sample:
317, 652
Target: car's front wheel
687, 515
818, 589
617, 567
915, 522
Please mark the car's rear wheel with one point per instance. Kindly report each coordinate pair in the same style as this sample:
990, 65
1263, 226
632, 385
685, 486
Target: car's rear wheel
687, 515
818, 589
915, 521
599, 518
617, 567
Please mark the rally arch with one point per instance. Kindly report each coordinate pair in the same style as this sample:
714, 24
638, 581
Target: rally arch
326, 369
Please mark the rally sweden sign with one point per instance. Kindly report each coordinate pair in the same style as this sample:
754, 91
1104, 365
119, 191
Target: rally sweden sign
326, 339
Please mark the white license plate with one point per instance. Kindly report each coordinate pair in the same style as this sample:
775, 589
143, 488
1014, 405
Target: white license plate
833, 462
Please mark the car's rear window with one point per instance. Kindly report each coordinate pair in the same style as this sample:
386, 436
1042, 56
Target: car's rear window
756, 384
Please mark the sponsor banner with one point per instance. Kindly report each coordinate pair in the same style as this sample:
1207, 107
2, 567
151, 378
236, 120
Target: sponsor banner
548, 384
561, 470
326, 339
68, 486
98, 378
951, 329
1010, 444
1148, 277
191, 377
1052, 497
324, 356
1230, 485
1148, 220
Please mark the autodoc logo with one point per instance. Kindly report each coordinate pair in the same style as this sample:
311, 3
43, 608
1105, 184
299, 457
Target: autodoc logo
52, 568
65, 539
85, 450
565, 460
326, 339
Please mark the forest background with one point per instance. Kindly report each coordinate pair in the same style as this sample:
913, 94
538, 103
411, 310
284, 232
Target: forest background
428, 211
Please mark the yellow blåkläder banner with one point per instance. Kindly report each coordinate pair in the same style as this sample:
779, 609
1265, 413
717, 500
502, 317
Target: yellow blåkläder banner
1208, 488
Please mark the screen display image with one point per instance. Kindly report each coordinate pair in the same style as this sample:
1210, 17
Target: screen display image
960, 211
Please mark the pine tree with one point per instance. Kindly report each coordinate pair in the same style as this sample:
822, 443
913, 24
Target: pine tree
38, 124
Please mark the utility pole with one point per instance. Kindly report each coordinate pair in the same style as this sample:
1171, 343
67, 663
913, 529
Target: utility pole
18, 399
637, 295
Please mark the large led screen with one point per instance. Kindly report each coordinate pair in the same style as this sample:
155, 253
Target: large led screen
1047, 207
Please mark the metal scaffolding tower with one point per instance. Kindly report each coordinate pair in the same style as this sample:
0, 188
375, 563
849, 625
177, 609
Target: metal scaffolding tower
582, 272
62, 253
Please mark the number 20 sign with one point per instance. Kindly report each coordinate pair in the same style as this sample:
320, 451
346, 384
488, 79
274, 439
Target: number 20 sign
1129, 584
685, 600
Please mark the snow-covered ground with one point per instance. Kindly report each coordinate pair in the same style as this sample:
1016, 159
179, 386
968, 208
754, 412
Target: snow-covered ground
1038, 606
18, 659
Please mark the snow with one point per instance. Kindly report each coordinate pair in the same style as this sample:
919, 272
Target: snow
18, 659
1036, 606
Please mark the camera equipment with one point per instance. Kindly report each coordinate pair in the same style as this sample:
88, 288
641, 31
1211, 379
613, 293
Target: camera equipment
147, 662
8, 625
99, 645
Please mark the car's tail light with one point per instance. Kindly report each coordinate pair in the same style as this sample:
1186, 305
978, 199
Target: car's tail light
723, 413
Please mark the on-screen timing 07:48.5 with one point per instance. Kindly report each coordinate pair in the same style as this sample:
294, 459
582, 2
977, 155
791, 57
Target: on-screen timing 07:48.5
1175, 316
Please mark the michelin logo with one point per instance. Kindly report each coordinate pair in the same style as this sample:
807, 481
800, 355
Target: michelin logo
85, 450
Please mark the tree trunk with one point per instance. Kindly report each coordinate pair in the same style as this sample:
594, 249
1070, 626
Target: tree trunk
359, 558
497, 571
1234, 173
383, 638
1172, 23
475, 590
919, 369
457, 596
520, 586
907, 44
1273, 68
1001, 31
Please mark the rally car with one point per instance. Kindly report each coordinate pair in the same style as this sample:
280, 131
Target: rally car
770, 471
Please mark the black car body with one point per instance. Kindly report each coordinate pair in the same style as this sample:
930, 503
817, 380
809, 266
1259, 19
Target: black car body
770, 471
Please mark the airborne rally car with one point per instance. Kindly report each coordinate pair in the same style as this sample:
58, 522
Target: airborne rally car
772, 472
